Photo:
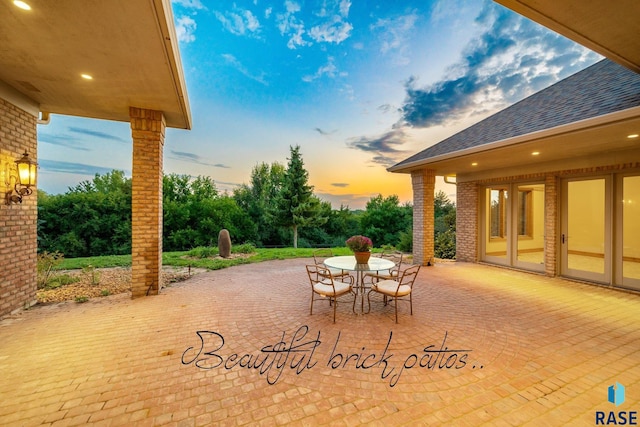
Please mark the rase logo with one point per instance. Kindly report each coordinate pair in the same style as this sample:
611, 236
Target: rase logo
616, 395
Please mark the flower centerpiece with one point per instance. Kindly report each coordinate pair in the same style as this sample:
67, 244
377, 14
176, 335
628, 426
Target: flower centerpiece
361, 247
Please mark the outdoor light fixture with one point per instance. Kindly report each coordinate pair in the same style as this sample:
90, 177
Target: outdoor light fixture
19, 181
22, 5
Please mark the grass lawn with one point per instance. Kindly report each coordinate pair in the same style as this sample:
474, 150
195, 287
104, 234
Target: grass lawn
200, 258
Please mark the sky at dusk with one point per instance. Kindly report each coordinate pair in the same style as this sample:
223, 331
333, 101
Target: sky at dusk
359, 85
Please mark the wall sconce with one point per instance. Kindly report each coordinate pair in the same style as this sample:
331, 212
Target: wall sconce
22, 179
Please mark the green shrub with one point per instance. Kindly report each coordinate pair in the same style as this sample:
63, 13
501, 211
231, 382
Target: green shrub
406, 241
445, 245
105, 292
246, 248
47, 262
94, 275
203, 252
82, 298
60, 280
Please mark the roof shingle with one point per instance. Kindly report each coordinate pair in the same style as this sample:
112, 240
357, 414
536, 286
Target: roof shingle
602, 88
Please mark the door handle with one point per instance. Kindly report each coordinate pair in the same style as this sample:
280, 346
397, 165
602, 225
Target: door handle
563, 239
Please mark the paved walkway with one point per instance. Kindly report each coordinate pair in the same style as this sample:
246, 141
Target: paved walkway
485, 345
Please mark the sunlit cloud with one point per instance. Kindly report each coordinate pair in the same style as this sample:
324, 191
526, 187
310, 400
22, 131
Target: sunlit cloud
63, 141
239, 22
185, 29
189, 4
329, 70
339, 184
194, 158
511, 60
385, 147
233, 61
291, 26
56, 166
97, 134
324, 132
394, 34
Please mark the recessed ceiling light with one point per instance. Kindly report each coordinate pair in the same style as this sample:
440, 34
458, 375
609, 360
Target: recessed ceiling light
86, 76
474, 164
535, 153
633, 135
21, 4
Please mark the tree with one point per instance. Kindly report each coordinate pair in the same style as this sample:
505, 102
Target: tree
444, 226
258, 196
296, 206
384, 220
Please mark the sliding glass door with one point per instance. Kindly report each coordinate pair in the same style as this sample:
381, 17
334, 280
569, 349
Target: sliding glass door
586, 238
513, 232
628, 232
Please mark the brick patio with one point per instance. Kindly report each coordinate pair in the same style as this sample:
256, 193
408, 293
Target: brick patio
520, 349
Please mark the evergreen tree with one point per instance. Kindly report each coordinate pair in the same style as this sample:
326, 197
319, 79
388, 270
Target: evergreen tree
296, 206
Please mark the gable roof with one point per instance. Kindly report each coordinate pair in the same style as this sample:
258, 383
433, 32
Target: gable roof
600, 89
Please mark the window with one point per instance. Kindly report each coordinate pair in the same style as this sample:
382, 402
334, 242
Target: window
525, 212
498, 213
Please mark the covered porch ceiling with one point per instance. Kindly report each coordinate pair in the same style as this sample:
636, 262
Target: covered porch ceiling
128, 47
610, 28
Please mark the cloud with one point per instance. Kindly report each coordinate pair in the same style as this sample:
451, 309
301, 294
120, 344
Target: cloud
329, 70
323, 132
189, 4
185, 29
96, 134
290, 26
240, 22
335, 29
383, 146
233, 61
331, 26
63, 141
353, 201
394, 36
339, 184
56, 166
194, 158
511, 59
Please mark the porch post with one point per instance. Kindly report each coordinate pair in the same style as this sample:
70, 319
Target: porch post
424, 184
147, 130
550, 225
467, 226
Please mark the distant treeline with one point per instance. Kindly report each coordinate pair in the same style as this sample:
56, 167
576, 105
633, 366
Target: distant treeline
277, 208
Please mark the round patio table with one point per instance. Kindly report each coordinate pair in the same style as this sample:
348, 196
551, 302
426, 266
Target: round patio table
348, 263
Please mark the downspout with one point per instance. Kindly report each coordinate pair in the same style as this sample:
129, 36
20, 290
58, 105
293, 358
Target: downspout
45, 118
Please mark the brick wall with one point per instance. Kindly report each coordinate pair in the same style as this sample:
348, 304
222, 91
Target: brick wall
147, 131
18, 241
423, 182
467, 226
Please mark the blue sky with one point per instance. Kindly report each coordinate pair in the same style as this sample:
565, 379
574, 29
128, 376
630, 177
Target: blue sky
359, 85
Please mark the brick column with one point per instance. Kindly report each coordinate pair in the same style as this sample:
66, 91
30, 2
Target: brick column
467, 222
424, 184
147, 130
18, 222
550, 225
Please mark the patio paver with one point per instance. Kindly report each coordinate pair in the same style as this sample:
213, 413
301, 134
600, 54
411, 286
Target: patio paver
485, 346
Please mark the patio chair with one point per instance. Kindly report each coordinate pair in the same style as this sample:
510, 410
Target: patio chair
398, 289
392, 273
319, 255
324, 286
